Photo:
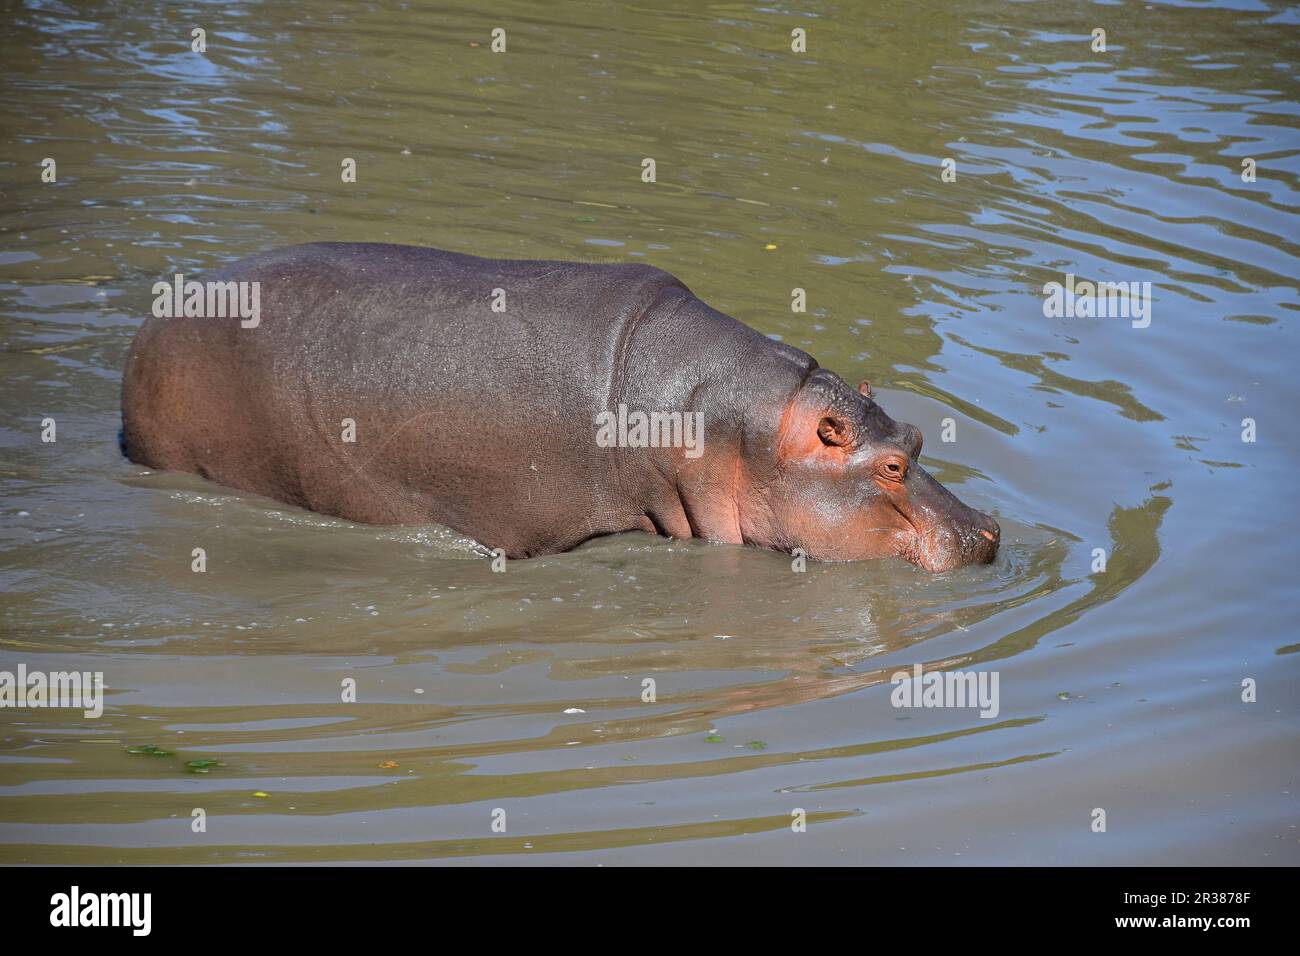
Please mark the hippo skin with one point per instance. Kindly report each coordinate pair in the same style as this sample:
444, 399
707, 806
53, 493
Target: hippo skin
485, 421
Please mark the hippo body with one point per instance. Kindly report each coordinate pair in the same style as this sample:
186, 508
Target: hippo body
484, 420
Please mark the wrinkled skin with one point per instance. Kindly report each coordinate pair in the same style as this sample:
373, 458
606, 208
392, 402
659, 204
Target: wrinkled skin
483, 421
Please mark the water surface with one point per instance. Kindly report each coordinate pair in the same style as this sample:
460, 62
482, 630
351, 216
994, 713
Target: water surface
1119, 689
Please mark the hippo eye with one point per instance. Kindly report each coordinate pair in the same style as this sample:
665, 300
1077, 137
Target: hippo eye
893, 468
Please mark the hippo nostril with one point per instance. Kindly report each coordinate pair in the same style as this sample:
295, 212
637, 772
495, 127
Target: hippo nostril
991, 533
981, 540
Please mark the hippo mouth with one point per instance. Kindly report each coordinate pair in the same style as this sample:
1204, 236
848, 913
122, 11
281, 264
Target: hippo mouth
909, 537
971, 538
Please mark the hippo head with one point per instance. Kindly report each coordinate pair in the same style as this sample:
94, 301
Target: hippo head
847, 486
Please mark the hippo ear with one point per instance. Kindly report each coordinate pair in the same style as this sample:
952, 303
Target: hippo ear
835, 430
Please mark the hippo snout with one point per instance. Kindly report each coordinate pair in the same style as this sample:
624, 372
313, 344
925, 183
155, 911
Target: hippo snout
970, 537
983, 546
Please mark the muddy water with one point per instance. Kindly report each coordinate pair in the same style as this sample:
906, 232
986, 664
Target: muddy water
1119, 689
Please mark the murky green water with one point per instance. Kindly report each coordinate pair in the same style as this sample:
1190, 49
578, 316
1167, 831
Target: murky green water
1119, 690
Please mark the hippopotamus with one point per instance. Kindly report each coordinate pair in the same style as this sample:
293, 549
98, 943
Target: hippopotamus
400, 385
